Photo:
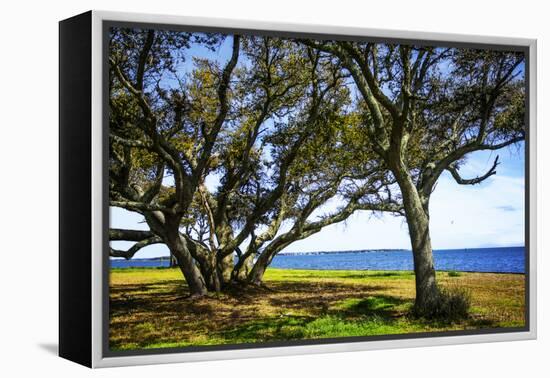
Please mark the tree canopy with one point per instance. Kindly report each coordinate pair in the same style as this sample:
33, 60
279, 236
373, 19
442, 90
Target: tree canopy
426, 108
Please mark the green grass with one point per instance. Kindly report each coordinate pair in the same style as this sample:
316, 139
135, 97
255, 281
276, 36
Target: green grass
149, 308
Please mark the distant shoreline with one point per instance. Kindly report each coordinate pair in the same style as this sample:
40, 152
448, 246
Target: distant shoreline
494, 260
374, 250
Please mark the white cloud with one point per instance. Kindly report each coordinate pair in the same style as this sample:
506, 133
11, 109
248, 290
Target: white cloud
490, 214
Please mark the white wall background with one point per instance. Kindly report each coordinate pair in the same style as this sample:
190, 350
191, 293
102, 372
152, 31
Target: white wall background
28, 185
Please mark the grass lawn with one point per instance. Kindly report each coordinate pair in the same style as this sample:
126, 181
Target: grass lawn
149, 308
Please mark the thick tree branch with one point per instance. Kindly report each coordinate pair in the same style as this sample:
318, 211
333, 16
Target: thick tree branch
430, 179
128, 254
507, 143
156, 185
159, 145
139, 206
223, 98
129, 235
371, 81
143, 58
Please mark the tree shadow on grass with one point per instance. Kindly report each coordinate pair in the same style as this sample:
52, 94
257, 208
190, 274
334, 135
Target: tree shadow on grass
316, 297
161, 312
367, 275
382, 306
148, 314
270, 329
354, 275
351, 317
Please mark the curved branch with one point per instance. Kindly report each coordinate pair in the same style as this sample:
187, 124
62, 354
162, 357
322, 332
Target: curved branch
455, 155
507, 143
454, 172
135, 248
349, 209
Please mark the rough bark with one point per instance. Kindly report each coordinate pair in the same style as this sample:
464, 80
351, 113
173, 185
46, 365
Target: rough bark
225, 268
264, 260
243, 268
417, 215
214, 282
257, 273
179, 249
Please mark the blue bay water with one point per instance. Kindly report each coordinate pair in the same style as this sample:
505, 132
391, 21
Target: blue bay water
139, 263
502, 260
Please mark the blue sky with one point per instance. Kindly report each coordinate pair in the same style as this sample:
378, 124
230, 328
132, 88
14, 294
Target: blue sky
491, 214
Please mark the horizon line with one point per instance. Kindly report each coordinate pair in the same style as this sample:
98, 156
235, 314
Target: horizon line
347, 251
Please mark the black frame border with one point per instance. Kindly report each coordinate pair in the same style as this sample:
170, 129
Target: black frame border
75, 189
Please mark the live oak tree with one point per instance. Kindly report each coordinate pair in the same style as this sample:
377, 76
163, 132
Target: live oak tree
269, 94
271, 219
425, 110
147, 117
267, 129
308, 163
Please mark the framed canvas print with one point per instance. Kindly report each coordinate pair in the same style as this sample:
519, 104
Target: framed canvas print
234, 189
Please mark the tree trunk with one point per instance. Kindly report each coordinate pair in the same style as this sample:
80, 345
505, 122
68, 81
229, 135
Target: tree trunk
257, 273
225, 267
242, 268
264, 260
186, 263
211, 273
417, 215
